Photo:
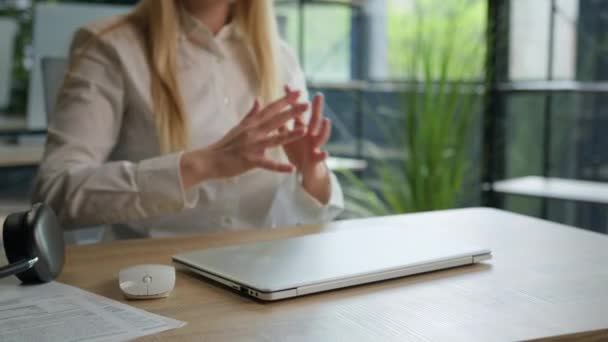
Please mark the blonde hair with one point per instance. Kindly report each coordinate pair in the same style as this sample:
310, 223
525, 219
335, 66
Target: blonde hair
159, 21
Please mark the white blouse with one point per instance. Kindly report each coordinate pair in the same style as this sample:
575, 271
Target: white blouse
102, 163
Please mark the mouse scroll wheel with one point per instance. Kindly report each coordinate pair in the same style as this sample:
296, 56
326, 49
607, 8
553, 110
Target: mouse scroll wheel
147, 279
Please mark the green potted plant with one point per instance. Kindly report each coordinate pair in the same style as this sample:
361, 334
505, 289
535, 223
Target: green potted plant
442, 52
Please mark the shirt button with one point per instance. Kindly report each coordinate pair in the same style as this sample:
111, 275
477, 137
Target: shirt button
226, 100
226, 220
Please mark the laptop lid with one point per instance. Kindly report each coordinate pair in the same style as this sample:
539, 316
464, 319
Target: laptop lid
277, 265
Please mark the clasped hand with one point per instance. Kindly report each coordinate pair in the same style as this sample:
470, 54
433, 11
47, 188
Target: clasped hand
244, 147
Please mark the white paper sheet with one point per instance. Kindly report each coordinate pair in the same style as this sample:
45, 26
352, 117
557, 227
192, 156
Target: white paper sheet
58, 312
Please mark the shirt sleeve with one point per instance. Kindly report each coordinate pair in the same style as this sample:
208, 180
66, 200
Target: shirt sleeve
75, 178
292, 203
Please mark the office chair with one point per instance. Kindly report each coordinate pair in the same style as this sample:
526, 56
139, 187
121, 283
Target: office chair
8, 27
54, 24
53, 72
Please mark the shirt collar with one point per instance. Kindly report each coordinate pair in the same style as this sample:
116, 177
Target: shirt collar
199, 34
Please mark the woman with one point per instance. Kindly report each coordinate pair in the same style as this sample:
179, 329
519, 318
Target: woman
180, 117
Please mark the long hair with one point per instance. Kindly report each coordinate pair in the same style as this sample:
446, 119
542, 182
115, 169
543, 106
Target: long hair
159, 21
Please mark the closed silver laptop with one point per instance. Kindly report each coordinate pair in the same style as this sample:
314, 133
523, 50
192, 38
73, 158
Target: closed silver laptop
279, 269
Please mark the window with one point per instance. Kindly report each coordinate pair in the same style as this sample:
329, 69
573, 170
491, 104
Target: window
321, 41
551, 114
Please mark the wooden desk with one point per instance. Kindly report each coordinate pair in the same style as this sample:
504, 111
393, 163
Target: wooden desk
545, 280
30, 155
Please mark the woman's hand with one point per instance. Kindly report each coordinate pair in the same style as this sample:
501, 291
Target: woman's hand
306, 153
243, 147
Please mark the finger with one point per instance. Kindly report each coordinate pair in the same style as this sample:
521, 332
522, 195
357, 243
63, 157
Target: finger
299, 122
288, 89
274, 122
277, 106
235, 131
317, 114
324, 134
285, 127
255, 109
278, 139
320, 156
271, 165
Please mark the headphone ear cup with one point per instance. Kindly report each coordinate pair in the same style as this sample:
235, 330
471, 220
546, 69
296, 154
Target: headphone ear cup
16, 237
35, 234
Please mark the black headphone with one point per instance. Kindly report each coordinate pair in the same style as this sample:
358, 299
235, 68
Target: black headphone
33, 242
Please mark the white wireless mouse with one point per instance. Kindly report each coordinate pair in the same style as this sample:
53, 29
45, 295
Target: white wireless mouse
147, 281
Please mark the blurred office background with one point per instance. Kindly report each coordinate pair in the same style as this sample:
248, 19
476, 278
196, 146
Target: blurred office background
436, 104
